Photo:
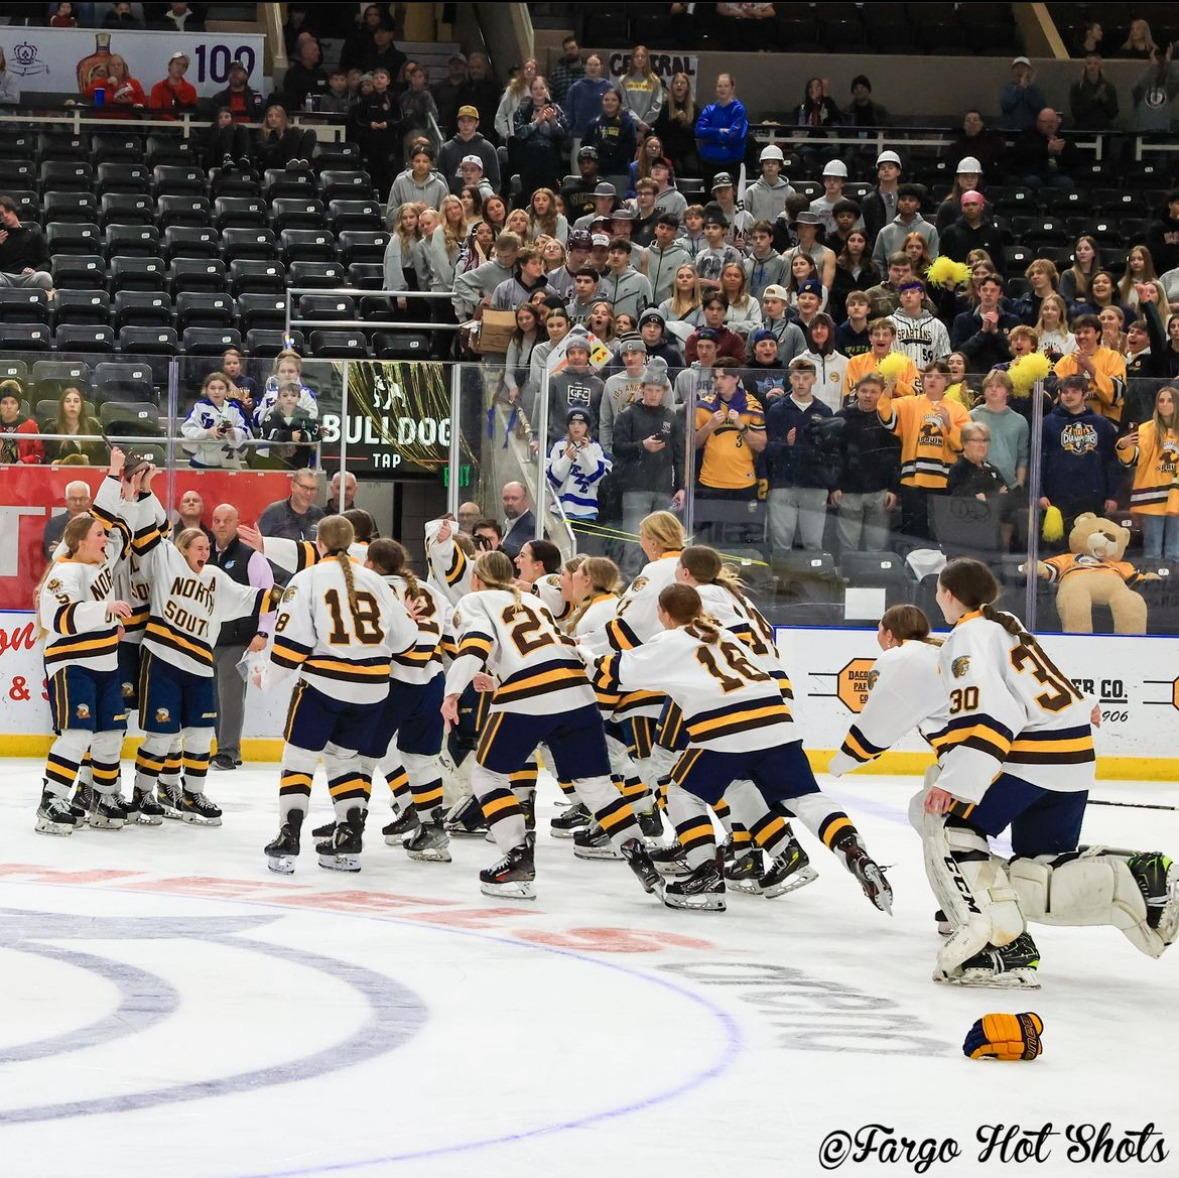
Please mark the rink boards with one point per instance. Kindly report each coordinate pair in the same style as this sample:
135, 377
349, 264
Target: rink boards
1134, 680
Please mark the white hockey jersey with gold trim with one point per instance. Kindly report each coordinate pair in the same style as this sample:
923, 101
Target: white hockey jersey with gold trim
538, 668
729, 704
905, 691
72, 606
186, 608
343, 653
423, 662
1010, 710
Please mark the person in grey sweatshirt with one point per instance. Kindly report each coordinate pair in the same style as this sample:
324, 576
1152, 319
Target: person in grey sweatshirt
908, 220
765, 266
626, 289
668, 199
664, 256
766, 197
1154, 92
419, 182
478, 284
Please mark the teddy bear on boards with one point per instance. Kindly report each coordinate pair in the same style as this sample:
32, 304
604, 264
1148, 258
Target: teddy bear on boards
1093, 572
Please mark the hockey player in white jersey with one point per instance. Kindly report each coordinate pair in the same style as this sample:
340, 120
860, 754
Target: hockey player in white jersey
749, 735
905, 691
338, 628
411, 730
189, 600
448, 559
1017, 750
79, 618
542, 695
751, 825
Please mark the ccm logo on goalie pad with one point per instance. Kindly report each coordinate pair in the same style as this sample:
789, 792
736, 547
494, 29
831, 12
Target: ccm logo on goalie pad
960, 882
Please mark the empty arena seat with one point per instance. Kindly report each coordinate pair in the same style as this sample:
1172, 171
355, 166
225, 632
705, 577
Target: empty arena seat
210, 341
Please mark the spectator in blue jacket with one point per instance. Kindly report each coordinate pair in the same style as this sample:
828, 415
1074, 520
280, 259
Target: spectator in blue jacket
721, 130
1081, 471
981, 335
1021, 100
583, 103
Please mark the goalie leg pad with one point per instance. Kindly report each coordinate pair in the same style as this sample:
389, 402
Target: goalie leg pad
1094, 887
972, 888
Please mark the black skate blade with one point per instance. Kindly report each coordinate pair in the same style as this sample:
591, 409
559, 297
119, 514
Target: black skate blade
711, 903
802, 877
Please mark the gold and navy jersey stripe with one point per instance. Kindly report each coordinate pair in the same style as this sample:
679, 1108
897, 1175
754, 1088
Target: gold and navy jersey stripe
286, 652
146, 539
167, 635
420, 656
633, 700
978, 732
621, 636
736, 718
64, 620
348, 671
306, 555
458, 565
784, 684
857, 746
1060, 746
1156, 496
137, 621
92, 644
475, 643
268, 601
543, 679
449, 647
605, 675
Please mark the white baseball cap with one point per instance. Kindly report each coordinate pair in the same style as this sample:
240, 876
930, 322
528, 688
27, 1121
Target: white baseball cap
971, 165
773, 152
776, 292
836, 168
471, 159
888, 157
1020, 61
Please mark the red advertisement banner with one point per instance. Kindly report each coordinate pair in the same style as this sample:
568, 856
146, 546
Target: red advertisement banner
30, 495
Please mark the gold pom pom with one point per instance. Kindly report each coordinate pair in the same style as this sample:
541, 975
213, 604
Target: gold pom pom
1053, 527
1027, 370
893, 365
946, 272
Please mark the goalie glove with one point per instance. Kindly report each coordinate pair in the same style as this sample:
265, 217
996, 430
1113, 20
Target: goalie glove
1005, 1036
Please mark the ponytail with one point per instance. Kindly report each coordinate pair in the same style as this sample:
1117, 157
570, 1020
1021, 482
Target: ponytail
604, 578
391, 559
907, 623
363, 525
682, 604
75, 532
336, 536
708, 568
974, 585
496, 571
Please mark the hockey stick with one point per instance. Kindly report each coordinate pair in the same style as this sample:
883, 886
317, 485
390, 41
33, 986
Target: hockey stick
1131, 805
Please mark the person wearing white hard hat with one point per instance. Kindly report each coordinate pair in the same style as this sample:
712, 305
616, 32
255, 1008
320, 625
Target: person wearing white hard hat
766, 197
834, 177
968, 178
879, 207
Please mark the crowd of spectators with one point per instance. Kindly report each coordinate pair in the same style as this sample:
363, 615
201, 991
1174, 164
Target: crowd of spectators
834, 363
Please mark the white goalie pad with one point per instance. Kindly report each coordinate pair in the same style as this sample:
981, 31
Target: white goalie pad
972, 889
1095, 888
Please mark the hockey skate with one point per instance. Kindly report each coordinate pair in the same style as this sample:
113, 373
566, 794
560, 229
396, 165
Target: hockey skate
171, 799
325, 831
55, 815
650, 823
197, 809
640, 863
281, 854
574, 818
703, 890
429, 843
744, 872
465, 819
592, 842
789, 871
513, 877
107, 811
1158, 880
144, 810
528, 805
1013, 967
669, 859
405, 825
342, 851
79, 804
868, 872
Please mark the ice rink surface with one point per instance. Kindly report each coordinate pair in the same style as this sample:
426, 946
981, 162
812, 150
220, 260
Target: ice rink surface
172, 1008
